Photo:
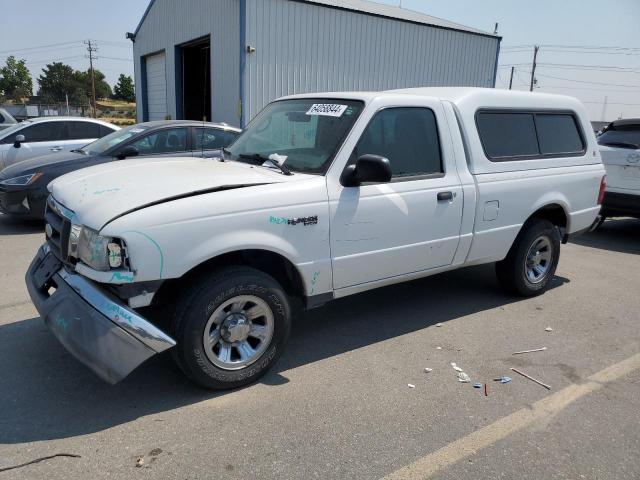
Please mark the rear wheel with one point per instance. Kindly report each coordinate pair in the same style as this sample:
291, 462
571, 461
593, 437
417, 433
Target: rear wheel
532, 261
231, 328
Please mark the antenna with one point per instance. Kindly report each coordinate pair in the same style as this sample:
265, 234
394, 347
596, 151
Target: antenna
204, 95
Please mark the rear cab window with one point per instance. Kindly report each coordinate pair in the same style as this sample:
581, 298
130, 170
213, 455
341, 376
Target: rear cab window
510, 135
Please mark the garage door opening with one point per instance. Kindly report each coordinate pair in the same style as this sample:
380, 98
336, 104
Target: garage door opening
195, 80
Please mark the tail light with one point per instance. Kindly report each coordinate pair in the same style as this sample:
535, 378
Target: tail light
603, 187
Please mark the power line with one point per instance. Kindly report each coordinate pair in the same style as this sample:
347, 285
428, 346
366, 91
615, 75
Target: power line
17, 50
585, 81
101, 57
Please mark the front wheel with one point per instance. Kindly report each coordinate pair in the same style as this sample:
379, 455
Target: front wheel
231, 328
532, 261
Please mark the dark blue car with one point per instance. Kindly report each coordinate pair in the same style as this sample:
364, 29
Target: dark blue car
23, 186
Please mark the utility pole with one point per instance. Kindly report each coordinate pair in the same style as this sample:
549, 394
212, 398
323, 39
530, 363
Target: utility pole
511, 78
533, 67
91, 47
604, 108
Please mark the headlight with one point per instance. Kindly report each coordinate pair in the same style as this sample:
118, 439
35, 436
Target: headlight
22, 180
99, 252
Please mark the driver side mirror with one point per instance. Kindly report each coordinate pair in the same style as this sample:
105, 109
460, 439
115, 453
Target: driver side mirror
128, 151
18, 140
368, 168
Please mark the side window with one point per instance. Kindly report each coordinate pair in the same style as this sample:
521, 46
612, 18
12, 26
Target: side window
408, 137
212, 138
163, 141
527, 135
83, 130
105, 131
506, 135
44, 132
558, 134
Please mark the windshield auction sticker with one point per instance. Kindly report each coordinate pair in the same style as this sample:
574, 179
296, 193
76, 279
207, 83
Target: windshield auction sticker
327, 109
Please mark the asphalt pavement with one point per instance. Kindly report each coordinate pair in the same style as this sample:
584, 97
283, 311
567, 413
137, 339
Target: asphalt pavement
338, 404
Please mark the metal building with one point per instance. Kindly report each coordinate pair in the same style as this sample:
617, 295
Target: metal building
225, 59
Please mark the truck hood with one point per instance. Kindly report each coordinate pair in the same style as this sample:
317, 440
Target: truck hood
101, 193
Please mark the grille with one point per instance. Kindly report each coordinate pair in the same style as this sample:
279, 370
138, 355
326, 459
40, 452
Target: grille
59, 219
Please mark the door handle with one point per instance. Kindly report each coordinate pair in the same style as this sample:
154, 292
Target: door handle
445, 196
56, 149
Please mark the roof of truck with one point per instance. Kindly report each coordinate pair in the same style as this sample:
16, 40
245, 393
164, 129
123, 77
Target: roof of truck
487, 97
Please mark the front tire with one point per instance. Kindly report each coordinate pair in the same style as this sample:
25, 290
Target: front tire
231, 327
532, 261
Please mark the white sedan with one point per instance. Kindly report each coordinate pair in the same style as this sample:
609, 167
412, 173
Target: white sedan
45, 135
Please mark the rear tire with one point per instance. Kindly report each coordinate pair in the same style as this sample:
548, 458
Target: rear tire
532, 260
231, 327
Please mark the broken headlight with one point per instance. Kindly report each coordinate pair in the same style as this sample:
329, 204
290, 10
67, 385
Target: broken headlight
97, 251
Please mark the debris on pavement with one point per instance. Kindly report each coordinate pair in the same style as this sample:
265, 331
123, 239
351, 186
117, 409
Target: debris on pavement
456, 367
548, 387
548, 329
463, 378
438, 324
530, 351
438, 348
502, 379
486, 391
411, 385
140, 462
477, 385
428, 370
38, 460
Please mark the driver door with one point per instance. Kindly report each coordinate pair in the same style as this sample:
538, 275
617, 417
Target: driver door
410, 224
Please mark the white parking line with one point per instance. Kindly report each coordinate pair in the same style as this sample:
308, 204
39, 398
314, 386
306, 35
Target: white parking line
428, 465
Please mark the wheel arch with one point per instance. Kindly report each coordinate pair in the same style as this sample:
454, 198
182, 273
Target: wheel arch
275, 264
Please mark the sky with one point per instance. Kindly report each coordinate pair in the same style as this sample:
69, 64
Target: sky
589, 49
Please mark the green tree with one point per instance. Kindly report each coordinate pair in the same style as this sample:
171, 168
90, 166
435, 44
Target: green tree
15, 79
124, 89
56, 81
83, 79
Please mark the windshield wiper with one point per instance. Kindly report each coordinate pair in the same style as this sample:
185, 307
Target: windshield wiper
621, 145
262, 158
79, 150
225, 151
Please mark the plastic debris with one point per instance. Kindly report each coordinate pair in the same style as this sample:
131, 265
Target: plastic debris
411, 385
140, 462
438, 348
463, 378
530, 351
438, 324
503, 379
456, 367
548, 387
548, 329
477, 385
428, 370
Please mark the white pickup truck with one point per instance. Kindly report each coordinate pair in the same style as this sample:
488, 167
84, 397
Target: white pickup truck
322, 196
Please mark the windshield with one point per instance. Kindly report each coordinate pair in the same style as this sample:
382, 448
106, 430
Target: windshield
625, 137
105, 143
304, 133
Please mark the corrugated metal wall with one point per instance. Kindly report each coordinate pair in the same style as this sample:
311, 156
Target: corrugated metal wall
305, 48
170, 23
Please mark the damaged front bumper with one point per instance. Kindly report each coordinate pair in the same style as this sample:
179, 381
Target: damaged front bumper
111, 339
